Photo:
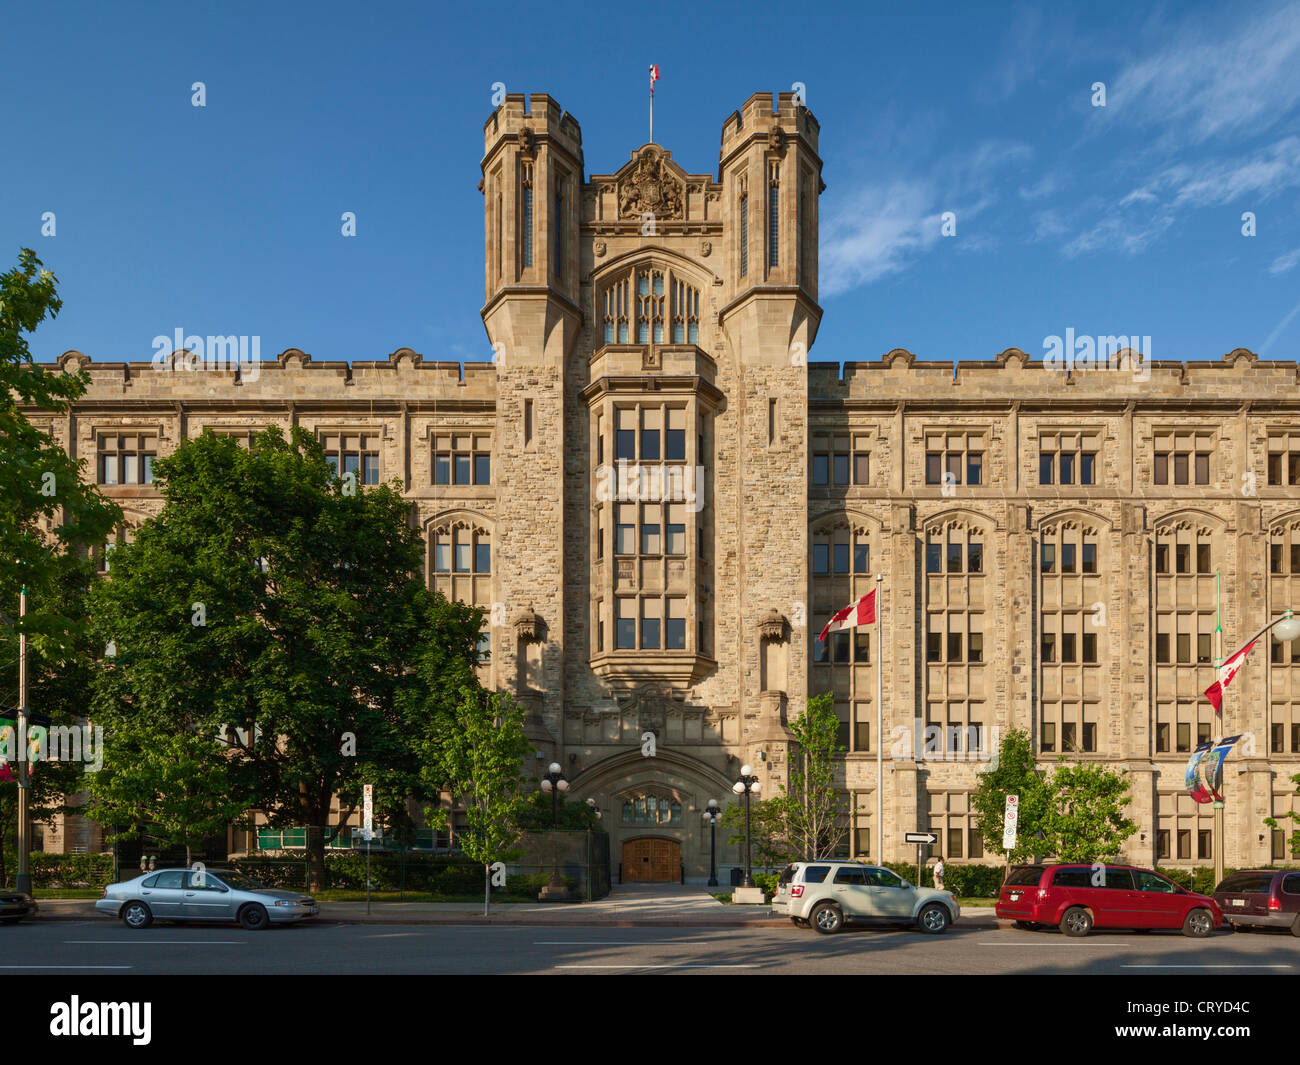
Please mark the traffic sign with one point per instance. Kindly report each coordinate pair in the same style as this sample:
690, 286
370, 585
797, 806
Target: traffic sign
1010, 816
920, 837
367, 812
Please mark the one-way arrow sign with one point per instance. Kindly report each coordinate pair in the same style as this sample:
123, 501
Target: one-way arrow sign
920, 837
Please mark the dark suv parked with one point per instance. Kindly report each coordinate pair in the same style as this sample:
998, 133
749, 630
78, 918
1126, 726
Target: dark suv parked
1261, 898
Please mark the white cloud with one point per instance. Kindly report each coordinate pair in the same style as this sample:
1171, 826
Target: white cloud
878, 233
1285, 262
1215, 81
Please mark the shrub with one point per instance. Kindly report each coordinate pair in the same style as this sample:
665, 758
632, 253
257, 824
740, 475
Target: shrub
71, 870
766, 881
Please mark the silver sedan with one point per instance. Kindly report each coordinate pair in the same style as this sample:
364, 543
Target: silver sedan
203, 895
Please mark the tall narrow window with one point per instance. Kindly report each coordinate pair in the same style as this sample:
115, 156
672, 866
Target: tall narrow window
773, 220
744, 234
528, 225
771, 421
528, 422
557, 223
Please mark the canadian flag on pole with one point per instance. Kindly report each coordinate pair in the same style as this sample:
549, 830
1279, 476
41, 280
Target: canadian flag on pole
863, 612
654, 76
1225, 673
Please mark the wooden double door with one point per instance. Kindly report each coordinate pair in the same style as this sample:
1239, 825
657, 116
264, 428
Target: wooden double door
652, 861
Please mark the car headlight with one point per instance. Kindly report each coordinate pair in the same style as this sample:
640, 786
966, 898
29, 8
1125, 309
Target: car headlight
285, 902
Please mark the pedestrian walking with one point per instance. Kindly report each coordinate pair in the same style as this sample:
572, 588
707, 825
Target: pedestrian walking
938, 874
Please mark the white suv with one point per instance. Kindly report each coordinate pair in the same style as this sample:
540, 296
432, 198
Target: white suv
829, 894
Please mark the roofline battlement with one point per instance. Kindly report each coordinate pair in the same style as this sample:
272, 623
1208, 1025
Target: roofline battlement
1012, 375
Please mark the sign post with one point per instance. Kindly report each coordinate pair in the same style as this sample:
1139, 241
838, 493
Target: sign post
1010, 817
921, 839
367, 830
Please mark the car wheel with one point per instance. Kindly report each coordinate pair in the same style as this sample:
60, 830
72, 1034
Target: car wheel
1077, 922
1198, 924
933, 918
253, 917
137, 915
827, 918
1295, 925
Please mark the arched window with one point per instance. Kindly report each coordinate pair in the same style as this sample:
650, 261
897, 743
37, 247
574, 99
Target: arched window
667, 308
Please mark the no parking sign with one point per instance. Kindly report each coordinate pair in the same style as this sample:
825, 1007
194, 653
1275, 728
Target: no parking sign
1010, 815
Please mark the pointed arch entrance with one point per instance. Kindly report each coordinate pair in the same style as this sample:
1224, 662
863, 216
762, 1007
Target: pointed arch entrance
652, 809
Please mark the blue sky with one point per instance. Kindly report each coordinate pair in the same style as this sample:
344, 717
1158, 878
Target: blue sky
1123, 219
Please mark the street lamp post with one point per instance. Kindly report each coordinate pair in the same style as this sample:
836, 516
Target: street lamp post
712, 813
23, 882
747, 785
1284, 630
554, 783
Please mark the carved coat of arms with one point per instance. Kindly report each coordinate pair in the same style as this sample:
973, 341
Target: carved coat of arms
651, 188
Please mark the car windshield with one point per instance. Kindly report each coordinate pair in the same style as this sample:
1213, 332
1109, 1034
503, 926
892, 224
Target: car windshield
238, 881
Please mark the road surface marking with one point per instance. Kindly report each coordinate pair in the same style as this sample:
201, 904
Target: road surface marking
65, 966
1243, 965
160, 942
648, 966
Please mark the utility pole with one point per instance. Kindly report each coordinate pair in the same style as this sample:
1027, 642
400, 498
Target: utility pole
24, 882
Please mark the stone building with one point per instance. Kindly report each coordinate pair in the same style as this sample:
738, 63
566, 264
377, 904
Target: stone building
659, 501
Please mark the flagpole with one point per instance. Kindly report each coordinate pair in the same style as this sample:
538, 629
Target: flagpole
1219, 841
880, 743
652, 112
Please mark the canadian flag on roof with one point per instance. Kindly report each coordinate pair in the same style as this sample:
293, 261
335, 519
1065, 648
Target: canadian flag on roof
863, 612
654, 76
1225, 673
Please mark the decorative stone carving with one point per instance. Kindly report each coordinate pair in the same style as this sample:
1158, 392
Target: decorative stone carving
772, 625
706, 247
528, 626
526, 143
776, 139
600, 248
651, 188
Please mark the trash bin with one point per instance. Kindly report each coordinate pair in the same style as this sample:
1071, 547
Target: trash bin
737, 876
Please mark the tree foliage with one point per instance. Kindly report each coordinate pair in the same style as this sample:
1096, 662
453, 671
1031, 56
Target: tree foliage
1015, 772
1075, 813
48, 517
279, 611
1293, 842
477, 753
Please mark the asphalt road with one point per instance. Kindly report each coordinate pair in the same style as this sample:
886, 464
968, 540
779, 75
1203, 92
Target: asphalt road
107, 948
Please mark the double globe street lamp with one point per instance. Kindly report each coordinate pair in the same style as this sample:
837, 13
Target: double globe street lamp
712, 815
747, 785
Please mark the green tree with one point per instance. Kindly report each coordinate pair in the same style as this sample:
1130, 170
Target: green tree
1085, 820
810, 808
179, 786
1014, 772
48, 517
278, 611
771, 846
478, 755
1293, 843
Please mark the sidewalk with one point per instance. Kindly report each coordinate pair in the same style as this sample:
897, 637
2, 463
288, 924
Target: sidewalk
627, 906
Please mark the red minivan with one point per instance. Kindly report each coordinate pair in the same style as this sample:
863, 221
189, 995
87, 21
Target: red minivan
1079, 898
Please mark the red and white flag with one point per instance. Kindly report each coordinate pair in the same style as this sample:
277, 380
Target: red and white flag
863, 612
1224, 674
654, 76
